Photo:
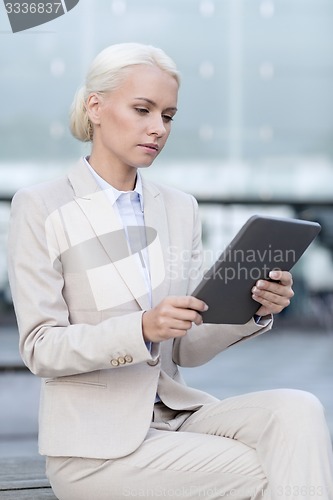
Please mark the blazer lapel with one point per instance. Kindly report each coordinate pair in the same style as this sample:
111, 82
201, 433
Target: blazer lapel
96, 206
157, 225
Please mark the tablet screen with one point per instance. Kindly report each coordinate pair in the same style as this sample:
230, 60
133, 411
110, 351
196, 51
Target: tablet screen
263, 244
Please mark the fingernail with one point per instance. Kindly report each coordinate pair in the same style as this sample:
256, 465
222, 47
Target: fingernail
274, 274
206, 307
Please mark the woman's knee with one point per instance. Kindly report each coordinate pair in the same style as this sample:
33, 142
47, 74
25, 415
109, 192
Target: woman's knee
299, 406
300, 399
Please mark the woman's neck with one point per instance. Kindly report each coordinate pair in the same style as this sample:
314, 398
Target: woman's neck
119, 177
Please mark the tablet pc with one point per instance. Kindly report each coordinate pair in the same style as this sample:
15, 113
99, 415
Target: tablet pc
262, 244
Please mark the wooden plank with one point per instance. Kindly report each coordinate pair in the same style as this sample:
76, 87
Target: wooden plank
23, 472
40, 494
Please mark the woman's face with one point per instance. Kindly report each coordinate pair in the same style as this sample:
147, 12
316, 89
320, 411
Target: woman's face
133, 122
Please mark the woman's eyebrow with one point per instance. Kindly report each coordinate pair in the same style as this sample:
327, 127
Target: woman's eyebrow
153, 103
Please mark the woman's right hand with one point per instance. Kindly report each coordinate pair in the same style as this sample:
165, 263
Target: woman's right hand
172, 318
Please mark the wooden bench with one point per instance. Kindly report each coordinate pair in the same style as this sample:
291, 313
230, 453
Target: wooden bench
24, 479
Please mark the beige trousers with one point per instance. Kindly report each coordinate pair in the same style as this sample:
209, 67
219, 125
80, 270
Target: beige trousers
270, 445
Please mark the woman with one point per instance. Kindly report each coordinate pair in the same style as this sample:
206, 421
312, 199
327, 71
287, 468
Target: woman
106, 320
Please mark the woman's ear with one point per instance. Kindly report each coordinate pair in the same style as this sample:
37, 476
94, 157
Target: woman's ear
93, 106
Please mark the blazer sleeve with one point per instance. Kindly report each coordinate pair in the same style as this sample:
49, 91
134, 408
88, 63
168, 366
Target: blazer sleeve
49, 345
204, 342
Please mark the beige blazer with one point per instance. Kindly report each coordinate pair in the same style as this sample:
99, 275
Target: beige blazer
79, 297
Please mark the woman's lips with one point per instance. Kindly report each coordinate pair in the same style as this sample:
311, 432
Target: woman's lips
150, 147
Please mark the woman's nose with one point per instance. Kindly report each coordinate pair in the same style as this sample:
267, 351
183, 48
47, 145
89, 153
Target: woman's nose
157, 127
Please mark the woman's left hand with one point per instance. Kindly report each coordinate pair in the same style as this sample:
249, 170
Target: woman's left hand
275, 295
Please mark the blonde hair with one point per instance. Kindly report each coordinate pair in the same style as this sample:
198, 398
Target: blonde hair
106, 74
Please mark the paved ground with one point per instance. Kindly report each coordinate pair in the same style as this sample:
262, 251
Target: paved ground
283, 358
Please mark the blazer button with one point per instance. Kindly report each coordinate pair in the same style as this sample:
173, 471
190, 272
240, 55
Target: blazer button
128, 358
121, 360
114, 362
153, 362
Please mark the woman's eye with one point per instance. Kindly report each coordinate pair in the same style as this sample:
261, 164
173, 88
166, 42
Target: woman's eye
142, 111
167, 118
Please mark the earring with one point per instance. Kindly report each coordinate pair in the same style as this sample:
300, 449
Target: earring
90, 130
